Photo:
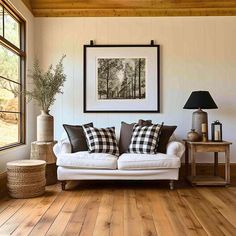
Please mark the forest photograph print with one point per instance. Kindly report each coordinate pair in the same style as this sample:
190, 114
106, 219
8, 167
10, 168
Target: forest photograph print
121, 78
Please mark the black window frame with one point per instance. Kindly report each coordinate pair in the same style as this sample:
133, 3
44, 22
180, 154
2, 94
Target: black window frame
20, 51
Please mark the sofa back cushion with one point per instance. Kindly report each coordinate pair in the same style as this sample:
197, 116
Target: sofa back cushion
76, 137
145, 139
101, 140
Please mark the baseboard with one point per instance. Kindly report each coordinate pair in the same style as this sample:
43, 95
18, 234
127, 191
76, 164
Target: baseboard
207, 169
3, 184
202, 169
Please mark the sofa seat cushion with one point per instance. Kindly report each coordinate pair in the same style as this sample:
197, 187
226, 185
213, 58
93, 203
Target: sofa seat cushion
86, 160
131, 161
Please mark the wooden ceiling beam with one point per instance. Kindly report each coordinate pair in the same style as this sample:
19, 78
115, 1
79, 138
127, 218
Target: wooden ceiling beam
126, 4
133, 12
109, 8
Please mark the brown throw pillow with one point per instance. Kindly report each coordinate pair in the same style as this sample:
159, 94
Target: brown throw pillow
166, 133
144, 122
76, 136
126, 132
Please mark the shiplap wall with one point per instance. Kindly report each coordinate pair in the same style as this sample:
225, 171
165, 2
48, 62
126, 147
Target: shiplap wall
197, 53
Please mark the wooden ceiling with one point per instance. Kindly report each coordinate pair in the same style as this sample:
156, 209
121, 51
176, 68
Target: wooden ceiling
57, 8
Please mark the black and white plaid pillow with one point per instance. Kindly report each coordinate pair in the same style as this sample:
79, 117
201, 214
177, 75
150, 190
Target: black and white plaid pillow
145, 139
101, 140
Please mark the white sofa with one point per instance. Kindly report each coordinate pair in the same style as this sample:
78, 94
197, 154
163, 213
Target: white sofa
102, 166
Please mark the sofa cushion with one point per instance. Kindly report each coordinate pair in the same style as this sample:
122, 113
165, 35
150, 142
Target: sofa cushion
81, 160
131, 161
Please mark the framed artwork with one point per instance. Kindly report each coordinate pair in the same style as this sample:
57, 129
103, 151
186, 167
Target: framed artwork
121, 78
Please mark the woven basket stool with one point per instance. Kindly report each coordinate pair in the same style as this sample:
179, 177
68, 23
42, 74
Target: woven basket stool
26, 178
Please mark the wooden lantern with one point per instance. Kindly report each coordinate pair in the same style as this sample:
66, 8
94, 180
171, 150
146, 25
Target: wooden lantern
216, 131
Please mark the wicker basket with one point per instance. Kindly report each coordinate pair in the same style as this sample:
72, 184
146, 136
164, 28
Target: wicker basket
26, 178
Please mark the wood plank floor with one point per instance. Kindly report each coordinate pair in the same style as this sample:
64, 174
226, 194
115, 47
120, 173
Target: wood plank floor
122, 208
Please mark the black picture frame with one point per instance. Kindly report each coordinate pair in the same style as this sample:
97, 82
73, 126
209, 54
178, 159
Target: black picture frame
85, 92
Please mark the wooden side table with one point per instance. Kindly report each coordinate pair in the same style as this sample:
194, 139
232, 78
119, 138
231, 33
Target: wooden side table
44, 151
193, 147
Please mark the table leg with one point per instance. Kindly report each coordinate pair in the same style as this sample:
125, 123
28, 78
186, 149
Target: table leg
227, 165
215, 163
193, 162
186, 159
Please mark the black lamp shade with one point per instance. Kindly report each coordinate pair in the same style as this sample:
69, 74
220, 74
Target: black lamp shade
200, 99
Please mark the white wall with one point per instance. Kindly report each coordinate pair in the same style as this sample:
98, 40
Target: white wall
22, 152
197, 53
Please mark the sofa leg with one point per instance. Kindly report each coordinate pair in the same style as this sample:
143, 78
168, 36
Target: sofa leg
171, 184
63, 185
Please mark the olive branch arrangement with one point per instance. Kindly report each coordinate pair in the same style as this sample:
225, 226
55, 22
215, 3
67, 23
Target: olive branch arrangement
45, 84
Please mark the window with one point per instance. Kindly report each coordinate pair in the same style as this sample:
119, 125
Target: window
12, 77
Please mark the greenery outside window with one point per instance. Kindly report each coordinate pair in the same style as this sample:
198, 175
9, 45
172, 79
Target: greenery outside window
12, 75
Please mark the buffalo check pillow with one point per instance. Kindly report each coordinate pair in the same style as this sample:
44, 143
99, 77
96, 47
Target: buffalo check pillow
101, 140
145, 139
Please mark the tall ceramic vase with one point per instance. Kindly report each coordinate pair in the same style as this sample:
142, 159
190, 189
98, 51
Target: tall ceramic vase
45, 127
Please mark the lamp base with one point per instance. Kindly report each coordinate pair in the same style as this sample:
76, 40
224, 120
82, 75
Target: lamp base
199, 117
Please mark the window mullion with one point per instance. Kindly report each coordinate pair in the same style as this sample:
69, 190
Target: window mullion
14, 112
12, 81
3, 22
11, 46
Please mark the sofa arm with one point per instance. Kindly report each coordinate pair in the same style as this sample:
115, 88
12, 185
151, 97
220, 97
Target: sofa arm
175, 148
62, 148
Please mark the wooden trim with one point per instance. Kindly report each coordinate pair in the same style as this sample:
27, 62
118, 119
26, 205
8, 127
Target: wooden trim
11, 146
3, 184
28, 5
22, 83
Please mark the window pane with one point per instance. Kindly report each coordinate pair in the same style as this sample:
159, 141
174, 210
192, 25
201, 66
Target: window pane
10, 64
11, 29
1, 20
9, 99
9, 128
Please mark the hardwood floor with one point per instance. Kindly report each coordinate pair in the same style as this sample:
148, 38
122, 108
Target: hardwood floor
122, 208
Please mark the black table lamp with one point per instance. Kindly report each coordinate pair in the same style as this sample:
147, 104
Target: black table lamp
200, 100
